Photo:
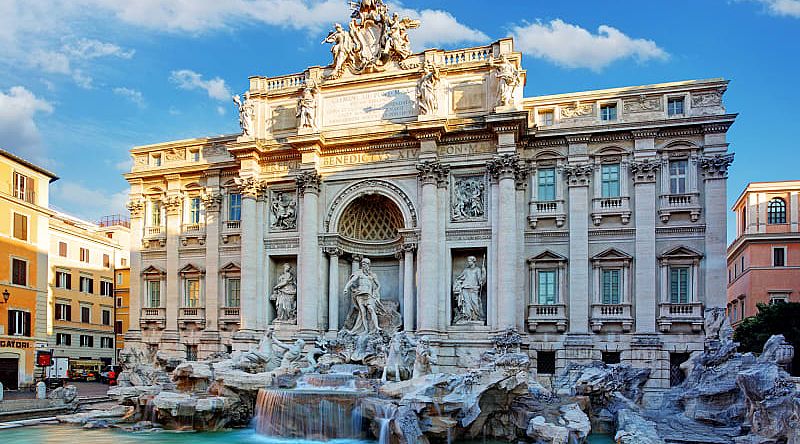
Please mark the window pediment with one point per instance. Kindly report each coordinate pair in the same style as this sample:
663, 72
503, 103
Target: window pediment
153, 272
230, 269
191, 270
547, 257
612, 255
681, 252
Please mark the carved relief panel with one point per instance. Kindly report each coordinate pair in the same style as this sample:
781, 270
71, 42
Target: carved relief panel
468, 198
283, 208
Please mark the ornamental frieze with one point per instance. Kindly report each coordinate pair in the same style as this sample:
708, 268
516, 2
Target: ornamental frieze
643, 104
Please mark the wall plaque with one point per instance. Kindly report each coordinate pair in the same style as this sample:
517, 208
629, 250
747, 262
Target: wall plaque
372, 106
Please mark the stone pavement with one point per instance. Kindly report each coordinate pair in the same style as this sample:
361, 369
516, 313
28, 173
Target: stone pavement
85, 390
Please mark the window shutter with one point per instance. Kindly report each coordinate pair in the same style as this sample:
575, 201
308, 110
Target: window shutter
91, 286
69, 281
12, 322
69, 339
69, 312
27, 317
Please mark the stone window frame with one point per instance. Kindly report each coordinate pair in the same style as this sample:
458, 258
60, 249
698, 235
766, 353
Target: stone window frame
545, 261
785, 256
543, 110
188, 273
153, 274
192, 192
617, 104
231, 270
679, 256
230, 188
608, 259
546, 160
611, 155
686, 101
680, 150
154, 198
777, 216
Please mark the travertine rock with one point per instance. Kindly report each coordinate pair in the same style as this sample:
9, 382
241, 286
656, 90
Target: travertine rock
632, 428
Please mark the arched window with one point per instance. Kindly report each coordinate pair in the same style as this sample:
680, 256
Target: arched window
776, 211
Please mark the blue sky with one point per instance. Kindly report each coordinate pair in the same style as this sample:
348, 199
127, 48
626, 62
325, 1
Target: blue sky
82, 81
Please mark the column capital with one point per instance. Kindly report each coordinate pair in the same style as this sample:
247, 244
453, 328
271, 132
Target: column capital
211, 200
308, 182
250, 187
578, 174
506, 166
173, 204
716, 166
644, 171
433, 172
333, 251
136, 207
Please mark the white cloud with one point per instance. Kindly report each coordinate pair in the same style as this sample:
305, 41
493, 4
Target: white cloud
440, 28
220, 111
82, 80
19, 132
50, 61
92, 49
124, 165
189, 80
85, 202
574, 47
785, 8
131, 94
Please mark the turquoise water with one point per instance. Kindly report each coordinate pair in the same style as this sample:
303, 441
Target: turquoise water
70, 435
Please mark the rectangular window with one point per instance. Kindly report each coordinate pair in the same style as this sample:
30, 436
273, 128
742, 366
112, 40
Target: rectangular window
84, 254
86, 284
106, 261
195, 155
778, 256
155, 213
779, 299
546, 287
192, 293
194, 210
118, 327
546, 362
677, 176
546, 178
106, 289
546, 117
679, 285
608, 112
119, 278
609, 175
235, 206
741, 260
154, 294
62, 249
23, 188
86, 315
675, 106
19, 323
87, 341
233, 288
610, 358
611, 286
157, 160
21, 226
63, 312
106, 317
19, 271
191, 352
63, 339
123, 262
119, 302
106, 342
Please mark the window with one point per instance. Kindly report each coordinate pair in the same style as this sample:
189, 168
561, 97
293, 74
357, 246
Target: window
119, 278
118, 327
63, 339
611, 286
155, 213
106, 261
86, 284
741, 260
86, 315
23, 187
62, 249
191, 352
675, 106
546, 362
20, 226
192, 293
776, 211
106, 317
778, 298
609, 175
106, 342
194, 210
19, 271
676, 375
154, 294
679, 285
608, 112
157, 160
84, 254
546, 117
195, 155
123, 262
235, 206
546, 287
778, 256
19, 323
611, 358
63, 312
119, 302
87, 341
547, 183
677, 176
232, 292
106, 289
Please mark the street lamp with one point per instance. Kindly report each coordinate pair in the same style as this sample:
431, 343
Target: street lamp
6, 295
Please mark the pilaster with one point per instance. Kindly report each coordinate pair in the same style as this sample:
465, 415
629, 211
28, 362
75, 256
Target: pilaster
136, 207
643, 172
212, 201
250, 188
431, 173
578, 176
333, 288
308, 188
715, 176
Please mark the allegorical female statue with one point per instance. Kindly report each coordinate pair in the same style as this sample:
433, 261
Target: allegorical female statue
284, 294
467, 289
426, 90
245, 113
508, 78
307, 107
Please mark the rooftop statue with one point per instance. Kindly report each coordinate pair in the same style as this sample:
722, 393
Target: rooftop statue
245, 113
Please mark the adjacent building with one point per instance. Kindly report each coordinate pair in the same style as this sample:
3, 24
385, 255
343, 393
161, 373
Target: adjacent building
121, 313
764, 259
593, 222
24, 243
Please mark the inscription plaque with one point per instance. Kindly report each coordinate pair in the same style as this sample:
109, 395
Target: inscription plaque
393, 104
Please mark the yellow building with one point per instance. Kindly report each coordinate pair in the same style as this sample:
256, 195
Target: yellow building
121, 314
24, 241
83, 257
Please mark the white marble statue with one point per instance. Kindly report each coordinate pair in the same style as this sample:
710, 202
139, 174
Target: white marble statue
284, 212
292, 354
508, 79
468, 201
284, 294
245, 113
467, 290
307, 107
424, 358
426, 90
341, 50
365, 292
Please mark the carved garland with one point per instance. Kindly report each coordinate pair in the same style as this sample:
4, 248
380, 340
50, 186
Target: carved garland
370, 184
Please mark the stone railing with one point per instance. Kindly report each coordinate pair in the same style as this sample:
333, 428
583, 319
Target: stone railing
193, 228
191, 315
291, 81
232, 225
229, 315
472, 55
153, 231
156, 316
679, 203
546, 209
611, 313
555, 314
680, 313
611, 206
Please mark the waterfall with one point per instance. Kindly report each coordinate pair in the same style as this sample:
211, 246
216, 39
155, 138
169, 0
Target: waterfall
384, 414
311, 414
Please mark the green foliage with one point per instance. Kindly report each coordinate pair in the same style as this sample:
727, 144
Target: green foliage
773, 319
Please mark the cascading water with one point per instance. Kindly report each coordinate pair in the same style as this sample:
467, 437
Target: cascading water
384, 414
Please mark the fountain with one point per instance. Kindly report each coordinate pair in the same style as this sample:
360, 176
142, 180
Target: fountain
311, 414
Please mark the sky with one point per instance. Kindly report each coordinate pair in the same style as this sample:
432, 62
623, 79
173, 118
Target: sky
83, 81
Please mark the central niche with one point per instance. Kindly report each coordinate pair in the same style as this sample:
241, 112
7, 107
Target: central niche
372, 217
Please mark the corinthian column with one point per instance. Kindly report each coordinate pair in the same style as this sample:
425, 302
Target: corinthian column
136, 208
715, 176
333, 288
212, 201
430, 174
173, 206
250, 189
578, 177
504, 169
644, 294
308, 186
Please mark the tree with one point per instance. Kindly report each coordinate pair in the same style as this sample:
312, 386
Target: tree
772, 319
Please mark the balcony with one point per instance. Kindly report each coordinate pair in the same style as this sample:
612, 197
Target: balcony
546, 209
689, 313
619, 314
154, 236
156, 316
611, 206
192, 315
229, 315
230, 228
555, 314
194, 231
670, 204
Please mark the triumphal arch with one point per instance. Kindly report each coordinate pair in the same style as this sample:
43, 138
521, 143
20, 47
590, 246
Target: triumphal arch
390, 190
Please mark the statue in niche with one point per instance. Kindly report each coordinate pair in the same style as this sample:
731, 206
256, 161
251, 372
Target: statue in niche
468, 199
307, 107
284, 294
467, 289
284, 212
426, 90
365, 292
508, 78
245, 113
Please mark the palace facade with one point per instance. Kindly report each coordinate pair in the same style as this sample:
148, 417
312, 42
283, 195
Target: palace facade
593, 222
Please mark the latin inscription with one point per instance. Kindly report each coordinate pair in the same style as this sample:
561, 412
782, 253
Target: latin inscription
464, 149
373, 106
